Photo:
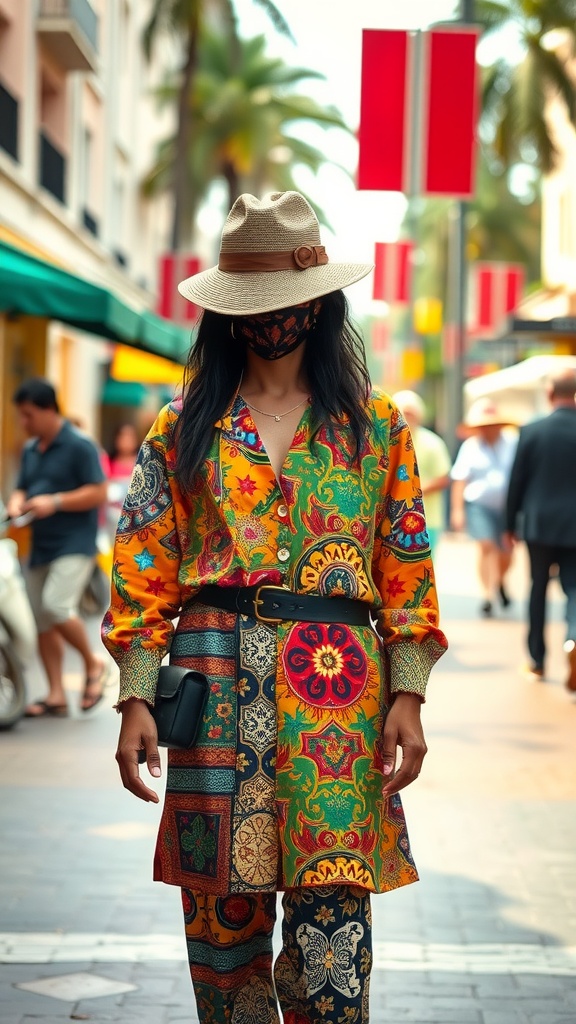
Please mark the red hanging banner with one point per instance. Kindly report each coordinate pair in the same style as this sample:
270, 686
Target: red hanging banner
418, 111
382, 133
173, 268
496, 290
451, 113
392, 271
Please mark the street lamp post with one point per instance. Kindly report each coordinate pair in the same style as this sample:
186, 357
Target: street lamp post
458, 294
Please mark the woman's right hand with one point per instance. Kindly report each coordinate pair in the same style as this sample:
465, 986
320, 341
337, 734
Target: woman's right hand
138, 732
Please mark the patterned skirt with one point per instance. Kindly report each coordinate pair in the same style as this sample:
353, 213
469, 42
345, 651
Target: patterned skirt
284, 785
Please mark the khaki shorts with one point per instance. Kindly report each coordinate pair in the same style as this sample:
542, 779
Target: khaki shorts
55, 589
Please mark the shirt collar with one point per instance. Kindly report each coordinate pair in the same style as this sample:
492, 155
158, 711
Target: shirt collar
59, 438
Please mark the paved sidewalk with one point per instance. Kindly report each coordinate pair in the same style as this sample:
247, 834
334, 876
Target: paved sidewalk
488, 936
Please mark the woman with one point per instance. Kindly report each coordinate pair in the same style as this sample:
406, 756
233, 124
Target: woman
480, 478
275, 509
121, 462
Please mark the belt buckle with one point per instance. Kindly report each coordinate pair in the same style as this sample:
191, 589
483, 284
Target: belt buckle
258, 600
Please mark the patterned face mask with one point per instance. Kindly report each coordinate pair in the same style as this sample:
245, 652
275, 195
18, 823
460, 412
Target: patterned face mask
273, 335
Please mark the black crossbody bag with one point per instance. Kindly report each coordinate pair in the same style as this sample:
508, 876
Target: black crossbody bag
179, 705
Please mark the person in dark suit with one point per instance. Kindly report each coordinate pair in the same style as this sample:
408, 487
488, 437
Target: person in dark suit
540, 509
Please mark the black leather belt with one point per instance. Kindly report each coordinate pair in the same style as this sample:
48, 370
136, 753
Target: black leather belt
271, 604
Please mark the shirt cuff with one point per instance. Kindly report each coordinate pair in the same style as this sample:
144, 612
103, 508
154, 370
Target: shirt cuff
411, 664
139, 674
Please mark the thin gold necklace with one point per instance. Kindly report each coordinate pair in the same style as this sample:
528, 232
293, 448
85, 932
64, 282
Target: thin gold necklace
273, 415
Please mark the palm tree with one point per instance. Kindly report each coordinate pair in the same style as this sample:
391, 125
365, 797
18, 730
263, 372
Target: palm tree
183, 19
515, 96
241, 103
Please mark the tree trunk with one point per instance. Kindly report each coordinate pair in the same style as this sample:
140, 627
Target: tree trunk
233, 181
181, 180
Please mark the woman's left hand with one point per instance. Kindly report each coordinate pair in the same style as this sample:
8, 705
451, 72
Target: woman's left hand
403, 729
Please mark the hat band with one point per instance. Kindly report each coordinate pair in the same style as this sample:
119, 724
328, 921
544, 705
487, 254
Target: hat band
257, 262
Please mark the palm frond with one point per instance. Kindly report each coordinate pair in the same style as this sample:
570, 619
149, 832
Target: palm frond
492, 15
277, 18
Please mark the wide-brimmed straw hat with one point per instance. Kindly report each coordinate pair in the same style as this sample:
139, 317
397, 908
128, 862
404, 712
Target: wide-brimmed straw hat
270, 257
485, 413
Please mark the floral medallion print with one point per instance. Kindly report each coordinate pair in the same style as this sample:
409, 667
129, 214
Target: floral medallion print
256, 849
199, 842
325, 665
334, 570
334, 751
407, 537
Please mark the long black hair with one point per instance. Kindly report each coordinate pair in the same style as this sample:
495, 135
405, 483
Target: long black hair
334, 364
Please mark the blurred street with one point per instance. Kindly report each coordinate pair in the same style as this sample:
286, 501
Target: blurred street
487, 937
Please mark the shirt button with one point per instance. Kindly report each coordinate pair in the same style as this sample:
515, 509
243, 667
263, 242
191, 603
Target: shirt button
283, 554
283, 511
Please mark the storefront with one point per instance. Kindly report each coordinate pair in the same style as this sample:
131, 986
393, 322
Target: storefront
46, 316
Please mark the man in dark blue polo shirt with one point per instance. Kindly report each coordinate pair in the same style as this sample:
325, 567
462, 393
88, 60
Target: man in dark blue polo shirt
62, 484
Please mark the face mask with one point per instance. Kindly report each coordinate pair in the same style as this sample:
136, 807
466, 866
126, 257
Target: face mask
273, 335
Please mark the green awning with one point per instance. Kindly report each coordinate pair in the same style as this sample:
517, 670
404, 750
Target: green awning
32, 287
124, 392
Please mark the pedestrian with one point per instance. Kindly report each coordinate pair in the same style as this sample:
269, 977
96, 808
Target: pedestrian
274, 509
480, 477
62, 485
121, 462
124, 452
433, 460
540, 509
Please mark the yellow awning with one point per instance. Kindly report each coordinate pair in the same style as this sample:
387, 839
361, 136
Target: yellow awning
130, 364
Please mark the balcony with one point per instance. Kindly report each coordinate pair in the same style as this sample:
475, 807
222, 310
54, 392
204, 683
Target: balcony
68, 29
52, 169
8, 122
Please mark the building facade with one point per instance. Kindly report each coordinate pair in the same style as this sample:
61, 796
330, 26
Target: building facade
78, 129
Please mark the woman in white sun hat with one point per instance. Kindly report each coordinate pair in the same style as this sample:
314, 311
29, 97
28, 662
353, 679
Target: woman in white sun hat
275, 513
480, 477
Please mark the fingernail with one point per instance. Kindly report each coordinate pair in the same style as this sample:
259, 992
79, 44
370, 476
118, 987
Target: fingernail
155, 772
387, 769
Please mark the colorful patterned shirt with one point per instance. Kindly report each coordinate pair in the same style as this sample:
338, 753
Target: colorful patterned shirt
283, 786
328, 528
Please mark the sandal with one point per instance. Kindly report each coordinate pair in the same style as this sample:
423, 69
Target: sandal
89, 700
46, 710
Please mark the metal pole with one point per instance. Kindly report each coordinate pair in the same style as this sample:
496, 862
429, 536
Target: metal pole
457, 293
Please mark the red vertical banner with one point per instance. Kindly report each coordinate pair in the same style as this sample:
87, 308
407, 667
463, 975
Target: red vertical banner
451, 113
166, 286
173, 268
190, 265
418, 111
380, 337
514, 287
383, 99
392, 271
485, 298
496, 291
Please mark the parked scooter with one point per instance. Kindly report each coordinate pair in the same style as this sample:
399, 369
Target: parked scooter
18, 635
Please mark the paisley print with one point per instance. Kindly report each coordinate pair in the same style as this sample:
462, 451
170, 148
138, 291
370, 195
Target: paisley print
148, 494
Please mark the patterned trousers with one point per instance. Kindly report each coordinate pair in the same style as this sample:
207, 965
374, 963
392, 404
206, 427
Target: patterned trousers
321, 975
